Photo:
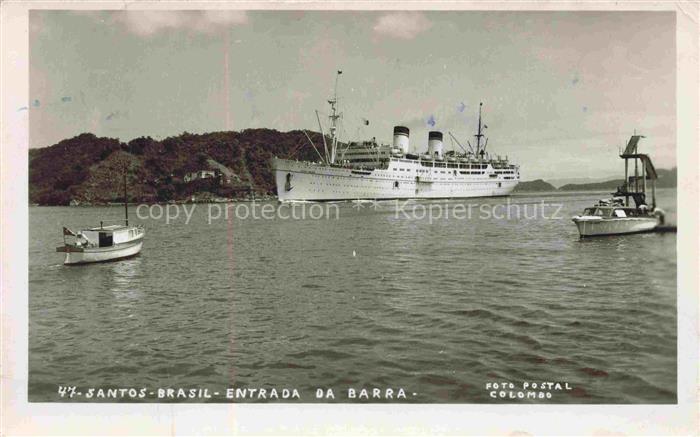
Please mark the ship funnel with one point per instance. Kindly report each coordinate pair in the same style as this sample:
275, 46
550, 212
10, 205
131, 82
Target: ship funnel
435, 144
401, 138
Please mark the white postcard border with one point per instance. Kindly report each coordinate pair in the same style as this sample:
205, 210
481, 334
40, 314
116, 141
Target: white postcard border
20, 417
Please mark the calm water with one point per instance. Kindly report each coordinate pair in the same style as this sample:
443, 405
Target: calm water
439, 309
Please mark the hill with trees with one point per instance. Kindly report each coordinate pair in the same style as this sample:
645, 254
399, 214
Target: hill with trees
667, 179
534, 186
89, 170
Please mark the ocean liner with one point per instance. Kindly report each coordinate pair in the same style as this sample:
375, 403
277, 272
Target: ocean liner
368, 170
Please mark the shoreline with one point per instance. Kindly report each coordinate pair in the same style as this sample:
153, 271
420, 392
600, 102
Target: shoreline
557, 193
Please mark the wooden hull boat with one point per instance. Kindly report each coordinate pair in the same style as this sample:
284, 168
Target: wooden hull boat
107, 243
81, 251
103, 243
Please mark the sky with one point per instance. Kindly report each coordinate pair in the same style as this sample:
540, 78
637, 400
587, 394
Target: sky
561, 91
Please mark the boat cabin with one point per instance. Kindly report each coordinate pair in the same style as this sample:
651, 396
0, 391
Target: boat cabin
613, 212
107, 236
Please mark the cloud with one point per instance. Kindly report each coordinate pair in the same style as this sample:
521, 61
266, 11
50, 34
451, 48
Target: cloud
151, 22
402, 25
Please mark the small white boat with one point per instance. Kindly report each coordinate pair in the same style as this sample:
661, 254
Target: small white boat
616, 216
103, 243
612, 219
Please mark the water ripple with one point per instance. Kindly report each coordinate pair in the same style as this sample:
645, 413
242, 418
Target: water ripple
439, 308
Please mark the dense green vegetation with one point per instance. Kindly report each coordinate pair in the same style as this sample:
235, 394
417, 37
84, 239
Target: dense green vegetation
88, 169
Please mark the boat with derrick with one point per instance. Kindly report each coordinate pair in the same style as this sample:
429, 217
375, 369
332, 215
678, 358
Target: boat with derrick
616, 216
373, 171
104, 242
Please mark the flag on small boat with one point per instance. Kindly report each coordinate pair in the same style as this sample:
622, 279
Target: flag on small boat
67, 231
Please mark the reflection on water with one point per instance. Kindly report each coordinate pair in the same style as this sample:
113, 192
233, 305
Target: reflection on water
370, 300
125, 275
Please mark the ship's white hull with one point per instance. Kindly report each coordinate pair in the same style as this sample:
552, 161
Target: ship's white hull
595, 226
304, 181
94, 255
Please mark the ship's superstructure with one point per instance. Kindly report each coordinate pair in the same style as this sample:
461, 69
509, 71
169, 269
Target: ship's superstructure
369, 170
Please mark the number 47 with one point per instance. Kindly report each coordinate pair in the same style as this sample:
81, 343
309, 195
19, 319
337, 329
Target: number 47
69, 391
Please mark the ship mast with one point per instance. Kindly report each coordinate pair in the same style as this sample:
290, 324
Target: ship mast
479, 135
126, 200
335, 115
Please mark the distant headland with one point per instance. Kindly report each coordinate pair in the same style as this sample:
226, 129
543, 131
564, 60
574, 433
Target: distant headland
667, 179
